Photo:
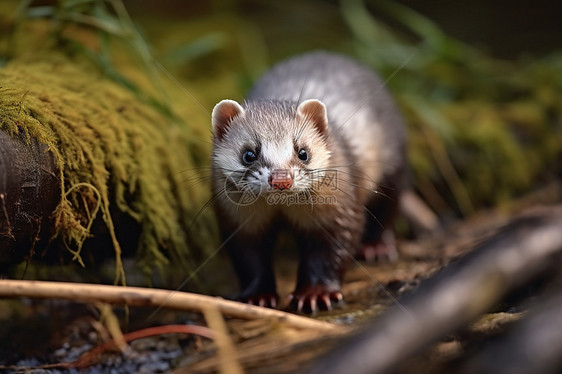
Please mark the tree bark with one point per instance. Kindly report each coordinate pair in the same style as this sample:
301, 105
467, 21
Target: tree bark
29, 192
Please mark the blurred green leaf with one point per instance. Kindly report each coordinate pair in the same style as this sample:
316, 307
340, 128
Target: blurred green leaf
200, 47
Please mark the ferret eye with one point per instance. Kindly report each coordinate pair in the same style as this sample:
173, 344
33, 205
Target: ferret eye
303, 154
249, 157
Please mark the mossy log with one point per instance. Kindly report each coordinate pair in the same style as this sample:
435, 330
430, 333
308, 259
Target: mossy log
29, 192
86, 161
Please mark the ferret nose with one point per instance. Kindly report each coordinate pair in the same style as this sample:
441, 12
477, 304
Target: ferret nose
280, 179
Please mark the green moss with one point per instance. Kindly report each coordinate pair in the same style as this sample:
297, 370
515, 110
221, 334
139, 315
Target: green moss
110, 148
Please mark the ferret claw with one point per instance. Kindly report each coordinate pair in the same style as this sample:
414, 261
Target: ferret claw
263, 300
313, 299
313, 305
327, 302
383, 249
300, 305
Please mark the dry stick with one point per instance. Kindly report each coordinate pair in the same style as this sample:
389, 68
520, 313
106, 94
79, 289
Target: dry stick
112, 325
228, 358
137, 296
454, 297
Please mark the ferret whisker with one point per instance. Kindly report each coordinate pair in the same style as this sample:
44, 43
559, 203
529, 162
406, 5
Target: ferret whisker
188, 177
373, 216
373, 191
308, 192
352, 175
304, 83
210, 201
314, 177
383, 194
189, 184
379, 89
340, 169
243, 187
201, 167
379, 284
182, 88
358, 165
345, 192
301, 129
193, 173
357, 176
190, 173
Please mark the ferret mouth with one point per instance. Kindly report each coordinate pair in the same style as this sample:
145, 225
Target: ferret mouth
285, 191
260, 183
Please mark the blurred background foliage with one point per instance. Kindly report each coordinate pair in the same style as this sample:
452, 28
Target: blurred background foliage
485, 124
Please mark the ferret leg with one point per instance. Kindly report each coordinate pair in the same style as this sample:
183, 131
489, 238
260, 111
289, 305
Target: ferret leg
322, 263
252, 260
382, 249
378, 237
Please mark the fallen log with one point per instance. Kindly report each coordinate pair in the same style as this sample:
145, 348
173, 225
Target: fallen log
454, 297
534, 345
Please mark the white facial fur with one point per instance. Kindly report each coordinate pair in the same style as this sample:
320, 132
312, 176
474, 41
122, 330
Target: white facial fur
275, 131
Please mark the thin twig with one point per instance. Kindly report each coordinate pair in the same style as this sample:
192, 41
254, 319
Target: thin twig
227, 355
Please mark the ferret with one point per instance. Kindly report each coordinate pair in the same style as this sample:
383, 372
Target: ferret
318, 147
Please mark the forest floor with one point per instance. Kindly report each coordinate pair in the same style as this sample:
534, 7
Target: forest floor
37, 333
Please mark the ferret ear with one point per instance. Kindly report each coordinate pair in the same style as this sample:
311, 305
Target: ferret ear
315, 111
222, 116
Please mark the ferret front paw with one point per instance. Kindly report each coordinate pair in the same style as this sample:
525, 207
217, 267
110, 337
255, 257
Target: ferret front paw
312, 298
268, 300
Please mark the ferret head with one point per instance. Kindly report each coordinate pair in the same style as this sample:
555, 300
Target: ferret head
270, 145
